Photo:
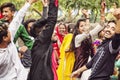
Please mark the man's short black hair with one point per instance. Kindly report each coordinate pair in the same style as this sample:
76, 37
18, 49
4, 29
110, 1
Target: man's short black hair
3, 30
8, 4
37, 27
27, 22
113, 21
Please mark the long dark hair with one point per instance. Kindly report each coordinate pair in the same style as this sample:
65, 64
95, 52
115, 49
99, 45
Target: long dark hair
37, 27
26, 24
75, 32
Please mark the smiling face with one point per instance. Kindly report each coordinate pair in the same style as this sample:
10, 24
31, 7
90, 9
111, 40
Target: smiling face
109, 30
8, 9
29, 26
7, 14
82, 26
62, 29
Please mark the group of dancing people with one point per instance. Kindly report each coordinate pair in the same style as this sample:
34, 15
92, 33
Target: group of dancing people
56, 51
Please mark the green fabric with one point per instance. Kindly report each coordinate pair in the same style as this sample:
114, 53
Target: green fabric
117, 63
22, 33
114, 78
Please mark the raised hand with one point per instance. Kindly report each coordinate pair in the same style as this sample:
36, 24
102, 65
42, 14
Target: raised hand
85, 12
45, 3
103, 4
117, 13
102, 11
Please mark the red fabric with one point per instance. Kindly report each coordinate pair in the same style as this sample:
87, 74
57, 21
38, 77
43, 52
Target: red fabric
54, 66
1, 16
56, 3
55, 47
60, 37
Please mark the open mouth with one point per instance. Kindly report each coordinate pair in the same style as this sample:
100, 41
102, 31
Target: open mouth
108, 33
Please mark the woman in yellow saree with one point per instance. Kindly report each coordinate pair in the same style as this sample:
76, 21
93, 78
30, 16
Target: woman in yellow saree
67, 59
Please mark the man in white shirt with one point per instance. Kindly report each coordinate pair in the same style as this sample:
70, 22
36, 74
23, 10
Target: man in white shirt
10, 65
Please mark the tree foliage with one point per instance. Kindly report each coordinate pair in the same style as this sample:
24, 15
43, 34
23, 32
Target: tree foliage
66, 6
19, 3
93, 5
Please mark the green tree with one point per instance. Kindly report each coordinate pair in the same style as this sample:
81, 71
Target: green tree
19, 3
93, 5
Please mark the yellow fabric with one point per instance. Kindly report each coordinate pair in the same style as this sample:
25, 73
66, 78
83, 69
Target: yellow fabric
66, 59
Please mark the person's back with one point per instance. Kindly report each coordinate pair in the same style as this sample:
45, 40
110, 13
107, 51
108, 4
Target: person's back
42, 49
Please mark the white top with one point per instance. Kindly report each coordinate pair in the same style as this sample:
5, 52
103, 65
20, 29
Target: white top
80, 37
11, 67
